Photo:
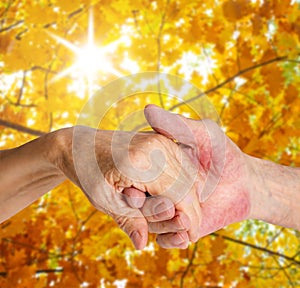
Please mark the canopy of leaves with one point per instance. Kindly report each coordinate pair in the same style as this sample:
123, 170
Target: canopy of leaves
243, 55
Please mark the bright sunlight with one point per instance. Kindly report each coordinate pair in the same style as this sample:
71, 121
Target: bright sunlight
91, 59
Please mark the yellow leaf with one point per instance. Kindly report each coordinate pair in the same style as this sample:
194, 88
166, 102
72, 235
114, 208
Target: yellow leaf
6, 42
234, 10
273, 78
218, 247
291, 93
17, 258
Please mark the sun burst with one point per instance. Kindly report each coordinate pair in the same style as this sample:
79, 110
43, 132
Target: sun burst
90, 59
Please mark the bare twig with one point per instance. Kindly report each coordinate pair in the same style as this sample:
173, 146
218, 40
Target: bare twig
21, 128
6, 8
22, 87
42, 251
263, 249
72, 206
220, 85
7, 28
283, 269
189, 265
269, 242
47, 96
19, 104
37, 272
136, 23
228, 100
80, 229
158, 41
241, 72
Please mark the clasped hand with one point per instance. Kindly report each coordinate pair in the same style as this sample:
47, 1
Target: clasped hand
195, 174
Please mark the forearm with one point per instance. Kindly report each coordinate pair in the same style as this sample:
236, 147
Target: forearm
26, 173
275, 193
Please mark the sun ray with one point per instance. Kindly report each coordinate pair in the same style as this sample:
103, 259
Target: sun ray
91, 28
63, 73
66, 43
90, 59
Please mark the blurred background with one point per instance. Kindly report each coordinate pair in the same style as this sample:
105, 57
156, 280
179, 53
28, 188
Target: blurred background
244, 57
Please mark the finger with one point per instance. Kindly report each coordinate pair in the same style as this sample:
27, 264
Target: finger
191, 207
203, 141
172, 125
173, 240
136, 228
130, 220
158, 208
134, 197
180, 222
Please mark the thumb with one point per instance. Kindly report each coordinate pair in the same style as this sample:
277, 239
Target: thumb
136, 228
205, 138
171, 125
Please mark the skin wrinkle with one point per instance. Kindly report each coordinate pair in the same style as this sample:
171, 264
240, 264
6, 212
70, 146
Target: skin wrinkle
239, 192
175, 224
247, 188
220, 160
278, 187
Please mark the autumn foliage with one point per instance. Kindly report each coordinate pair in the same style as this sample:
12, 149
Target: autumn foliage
244, 55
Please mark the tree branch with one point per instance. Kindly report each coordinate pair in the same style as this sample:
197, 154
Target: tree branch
7, 28
158, 41
29, 246
19, 104
263, 249
277, 59
37, 272
50, 114
21, 128
281, 268
36, 67
20, 34
57, 270
136, 23
73, 254
188, 266
241, 72
22, 88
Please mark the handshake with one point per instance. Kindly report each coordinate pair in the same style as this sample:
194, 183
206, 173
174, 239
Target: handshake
194, 177
182, 183
198, 180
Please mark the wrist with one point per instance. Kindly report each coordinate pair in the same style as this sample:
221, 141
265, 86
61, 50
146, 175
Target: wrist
79, 142
27, 173
59, 145
274, 193
59, 150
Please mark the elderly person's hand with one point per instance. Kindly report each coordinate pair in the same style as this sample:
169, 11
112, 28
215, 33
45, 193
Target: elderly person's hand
223, 194
109, 166
236, 186
104, 163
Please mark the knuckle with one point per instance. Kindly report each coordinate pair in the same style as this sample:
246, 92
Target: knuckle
124, 224
121, 221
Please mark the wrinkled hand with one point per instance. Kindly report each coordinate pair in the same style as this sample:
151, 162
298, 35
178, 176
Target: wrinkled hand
222, 190
104, 164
